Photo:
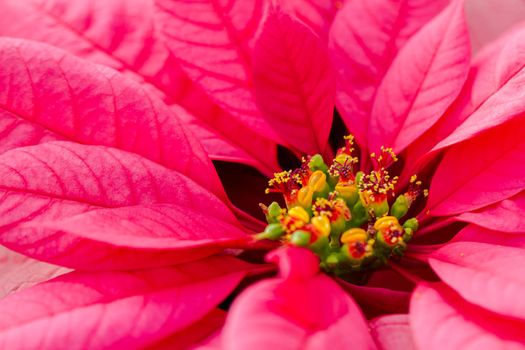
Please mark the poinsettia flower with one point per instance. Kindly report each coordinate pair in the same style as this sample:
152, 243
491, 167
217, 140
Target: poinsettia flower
103, 173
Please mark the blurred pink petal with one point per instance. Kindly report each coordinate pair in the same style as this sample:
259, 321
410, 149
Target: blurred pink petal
364, 39
414, 94
392, 332
440, 318
294, 82
301, 310
376, 299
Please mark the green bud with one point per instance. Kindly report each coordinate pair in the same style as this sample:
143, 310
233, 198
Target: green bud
272, 231
317, 163
332, 260
412, 224
359, 177
274, 211
400, 207
379, 209
408, 234
321, 247
359, 215
300, 238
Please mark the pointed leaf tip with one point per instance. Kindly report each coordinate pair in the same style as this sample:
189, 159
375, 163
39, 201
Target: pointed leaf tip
414, 94
294, 82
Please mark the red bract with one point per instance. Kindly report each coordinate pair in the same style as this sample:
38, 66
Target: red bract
111, 111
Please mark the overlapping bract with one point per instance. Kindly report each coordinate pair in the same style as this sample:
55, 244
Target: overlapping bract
101, 168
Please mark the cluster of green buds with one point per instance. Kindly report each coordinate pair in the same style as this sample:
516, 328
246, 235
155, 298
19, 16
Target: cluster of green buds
352, 220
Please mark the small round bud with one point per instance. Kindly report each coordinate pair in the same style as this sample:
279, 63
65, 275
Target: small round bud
300, 238
359, 214
348, 192
379, 209
400, 207
317, 163
412, 224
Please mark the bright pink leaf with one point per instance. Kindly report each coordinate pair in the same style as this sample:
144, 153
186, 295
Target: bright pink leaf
18, 272
414, 93
439, 318
365, 37
300, 310
494, 171
484, 274
317, 14
473, 233
85, 310
490, 97
213, 41
392, 332
193, 336
49, 94
294, 83
94, 207
495, 95
234, 143
123, 35
120, 34
505, 216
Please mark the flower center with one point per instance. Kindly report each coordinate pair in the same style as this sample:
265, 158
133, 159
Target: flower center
352, 220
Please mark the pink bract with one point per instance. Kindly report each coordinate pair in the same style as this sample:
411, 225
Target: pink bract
131, 131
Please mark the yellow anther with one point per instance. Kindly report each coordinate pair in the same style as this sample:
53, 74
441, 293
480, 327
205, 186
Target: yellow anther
299, 213
387, 222
321, 225
346, 190
317, 180
413, 179
304, 196
354, 235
